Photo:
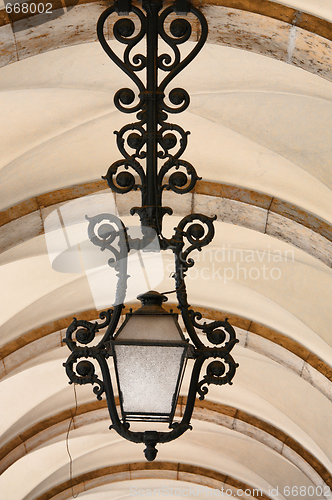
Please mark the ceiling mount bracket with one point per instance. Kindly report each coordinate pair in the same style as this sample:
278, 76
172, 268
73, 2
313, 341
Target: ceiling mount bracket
152, 138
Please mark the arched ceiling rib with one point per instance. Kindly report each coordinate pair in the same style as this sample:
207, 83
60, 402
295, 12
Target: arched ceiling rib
178, 473
181, 473
237, 206
38, 428
252, 335
264, 304
208, 412
38, 435
217, 414
233, 155
232, 418
265, 28
278, 445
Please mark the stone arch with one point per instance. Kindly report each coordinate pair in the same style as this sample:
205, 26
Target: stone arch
270, 24
234, 205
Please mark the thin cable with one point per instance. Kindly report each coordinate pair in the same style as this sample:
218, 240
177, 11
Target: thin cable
67, 446
173, 291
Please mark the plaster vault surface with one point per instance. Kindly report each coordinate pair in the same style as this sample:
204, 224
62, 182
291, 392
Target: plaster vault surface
261, 131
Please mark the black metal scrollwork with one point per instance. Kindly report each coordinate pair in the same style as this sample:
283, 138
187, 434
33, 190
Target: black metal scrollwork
225, 339
84, 332
212, 330
84, 371
139, 140
193, 232
108, 232
216, 371
105, 229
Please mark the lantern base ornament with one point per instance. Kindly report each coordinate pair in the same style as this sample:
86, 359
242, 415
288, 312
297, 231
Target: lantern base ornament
150, 451
146, 357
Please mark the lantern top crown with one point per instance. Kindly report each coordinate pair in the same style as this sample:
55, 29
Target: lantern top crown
151, 303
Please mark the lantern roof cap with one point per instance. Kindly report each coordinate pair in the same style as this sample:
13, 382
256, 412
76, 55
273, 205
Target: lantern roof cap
151, 303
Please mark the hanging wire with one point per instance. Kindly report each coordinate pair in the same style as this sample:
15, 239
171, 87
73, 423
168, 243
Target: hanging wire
67, 445
176, 289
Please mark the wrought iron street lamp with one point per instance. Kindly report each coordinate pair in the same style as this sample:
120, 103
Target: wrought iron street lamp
148, 353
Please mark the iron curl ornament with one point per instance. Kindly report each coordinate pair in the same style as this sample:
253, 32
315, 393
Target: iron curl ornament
152, 138
151, 162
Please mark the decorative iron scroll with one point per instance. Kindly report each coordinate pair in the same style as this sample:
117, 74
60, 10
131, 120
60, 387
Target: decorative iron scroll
152, 138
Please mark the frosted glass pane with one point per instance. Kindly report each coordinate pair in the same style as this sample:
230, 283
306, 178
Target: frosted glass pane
148, 377
148, 328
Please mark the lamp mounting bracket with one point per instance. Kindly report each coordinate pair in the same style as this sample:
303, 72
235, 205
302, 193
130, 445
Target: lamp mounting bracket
152, 138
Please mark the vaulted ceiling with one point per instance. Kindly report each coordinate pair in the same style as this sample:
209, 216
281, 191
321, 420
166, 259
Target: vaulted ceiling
261, 132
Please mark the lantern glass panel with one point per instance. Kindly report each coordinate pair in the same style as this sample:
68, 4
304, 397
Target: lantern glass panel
150, 355
149, 376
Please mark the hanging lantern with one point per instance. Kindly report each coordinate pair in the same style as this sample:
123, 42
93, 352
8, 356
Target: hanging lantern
149, 351
150, 355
